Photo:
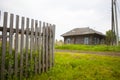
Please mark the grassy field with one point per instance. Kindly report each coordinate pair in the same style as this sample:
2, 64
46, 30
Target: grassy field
88, 47
75, 66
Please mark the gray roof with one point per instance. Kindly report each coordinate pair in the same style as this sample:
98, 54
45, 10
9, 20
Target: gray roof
82, 31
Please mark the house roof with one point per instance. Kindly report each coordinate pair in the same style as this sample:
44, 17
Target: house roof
81, 31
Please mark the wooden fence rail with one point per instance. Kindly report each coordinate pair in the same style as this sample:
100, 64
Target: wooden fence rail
27, 50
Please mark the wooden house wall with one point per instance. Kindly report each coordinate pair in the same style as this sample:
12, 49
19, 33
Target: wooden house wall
93, 39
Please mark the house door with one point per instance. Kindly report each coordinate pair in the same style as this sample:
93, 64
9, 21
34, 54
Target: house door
86, 40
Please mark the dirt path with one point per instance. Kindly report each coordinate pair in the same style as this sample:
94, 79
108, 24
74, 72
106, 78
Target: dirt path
90, 52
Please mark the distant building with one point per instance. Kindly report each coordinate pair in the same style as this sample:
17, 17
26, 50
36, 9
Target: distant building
83, 36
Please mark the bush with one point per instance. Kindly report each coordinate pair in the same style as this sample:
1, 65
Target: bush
10, 61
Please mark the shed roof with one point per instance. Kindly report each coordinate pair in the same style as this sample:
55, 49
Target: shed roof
81, 31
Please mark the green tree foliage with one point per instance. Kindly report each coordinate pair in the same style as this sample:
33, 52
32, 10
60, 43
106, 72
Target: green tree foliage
110, 37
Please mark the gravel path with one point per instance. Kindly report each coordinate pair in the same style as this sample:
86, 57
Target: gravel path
90, 52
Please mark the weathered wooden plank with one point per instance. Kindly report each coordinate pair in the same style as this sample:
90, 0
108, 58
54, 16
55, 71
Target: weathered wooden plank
22, 47
10, 45
4, 42
36, 25
31, 40
16, 46
53, 41
39, 47
49, 46
46, 46
50, 28
31, 45
36, 31
36, 49
43, 46
27, 43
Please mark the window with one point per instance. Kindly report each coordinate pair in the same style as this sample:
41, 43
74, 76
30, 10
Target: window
95, 40
68, 40
86, 40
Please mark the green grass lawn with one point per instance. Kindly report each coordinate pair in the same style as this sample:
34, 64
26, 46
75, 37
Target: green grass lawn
88, 47
75, 66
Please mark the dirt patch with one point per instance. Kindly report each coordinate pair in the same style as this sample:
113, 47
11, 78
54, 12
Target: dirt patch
90, 52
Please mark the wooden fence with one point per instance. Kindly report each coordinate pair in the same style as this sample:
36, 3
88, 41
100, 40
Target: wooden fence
35, 39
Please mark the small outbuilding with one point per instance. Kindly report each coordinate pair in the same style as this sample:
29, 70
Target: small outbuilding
83, 36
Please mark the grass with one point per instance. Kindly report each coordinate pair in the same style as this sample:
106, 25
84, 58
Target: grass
74, 66
88, 47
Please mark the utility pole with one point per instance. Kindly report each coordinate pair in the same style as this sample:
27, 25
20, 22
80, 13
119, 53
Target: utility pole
114, 22
117, 34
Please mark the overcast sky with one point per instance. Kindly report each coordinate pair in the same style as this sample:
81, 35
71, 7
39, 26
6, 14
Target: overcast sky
65, 14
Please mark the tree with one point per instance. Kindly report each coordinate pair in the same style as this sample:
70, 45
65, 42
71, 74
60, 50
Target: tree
110, 37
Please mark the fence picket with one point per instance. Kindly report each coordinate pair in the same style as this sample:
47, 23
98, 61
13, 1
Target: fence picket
39, 47
31, 44
49, 46
36, 49
21, 48
10, 44
53, 40
46, 47
4, 42
43, 44
32, 38
36, 25
16, 46
27, 43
